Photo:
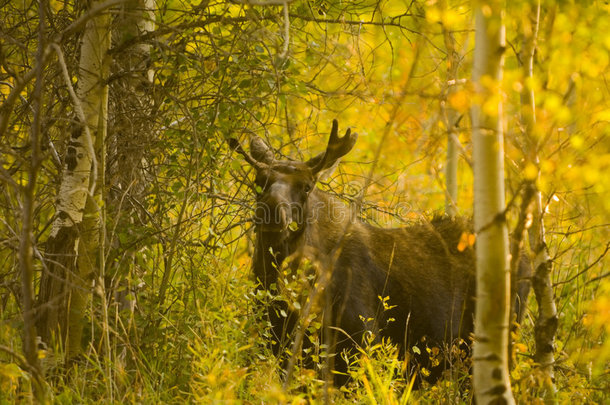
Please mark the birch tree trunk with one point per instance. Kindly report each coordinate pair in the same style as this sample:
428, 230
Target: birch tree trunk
491, 377
547, 322
72, 249
451, 118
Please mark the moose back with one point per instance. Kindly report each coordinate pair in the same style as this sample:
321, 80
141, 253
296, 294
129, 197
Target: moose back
411, 285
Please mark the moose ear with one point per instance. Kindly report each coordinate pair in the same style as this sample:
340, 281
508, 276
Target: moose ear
260, 150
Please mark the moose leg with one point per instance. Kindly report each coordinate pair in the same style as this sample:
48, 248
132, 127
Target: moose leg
351, 325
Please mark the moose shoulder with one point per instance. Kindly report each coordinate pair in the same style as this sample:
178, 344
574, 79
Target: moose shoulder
412, 285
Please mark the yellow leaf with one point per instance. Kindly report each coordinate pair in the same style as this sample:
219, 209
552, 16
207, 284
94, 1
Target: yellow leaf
11, 371
603, 115
433, 15
577, 141
517, 86
520, 348
190, 47
56, 5
450, 18
530, 172
467, 239
547, 166
591, 175
298, 401
460, 101
552, 103
491, 106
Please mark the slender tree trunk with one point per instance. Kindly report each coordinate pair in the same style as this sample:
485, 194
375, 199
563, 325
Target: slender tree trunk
72, 249
451, 118
132, 100
26, 248
491, 377
546, 323
131, 129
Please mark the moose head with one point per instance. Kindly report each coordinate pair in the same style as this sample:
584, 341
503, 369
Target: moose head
283, 186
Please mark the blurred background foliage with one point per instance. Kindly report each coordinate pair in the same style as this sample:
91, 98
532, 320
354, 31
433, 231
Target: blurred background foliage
226, 69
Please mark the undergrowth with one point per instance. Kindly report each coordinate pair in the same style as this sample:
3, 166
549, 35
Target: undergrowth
208, 347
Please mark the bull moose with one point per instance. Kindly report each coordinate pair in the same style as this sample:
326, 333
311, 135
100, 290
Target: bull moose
414, 285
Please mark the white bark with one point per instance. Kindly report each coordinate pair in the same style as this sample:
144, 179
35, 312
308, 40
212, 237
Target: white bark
451, 117
74, 239
81, 166
546, 323
491, 377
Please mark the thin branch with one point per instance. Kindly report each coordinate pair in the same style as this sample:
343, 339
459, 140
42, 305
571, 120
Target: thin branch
263, 2
7, 107
82, 20
286, 31
586, 269
20, 82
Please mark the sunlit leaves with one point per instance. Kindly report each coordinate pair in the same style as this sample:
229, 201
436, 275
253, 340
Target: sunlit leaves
466, 241
10, 376
489, 96
450, 17
530, 172
218, 74
460, 100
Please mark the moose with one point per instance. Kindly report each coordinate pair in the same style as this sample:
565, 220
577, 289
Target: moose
413, 285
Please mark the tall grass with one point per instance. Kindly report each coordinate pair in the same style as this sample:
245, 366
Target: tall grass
207, 345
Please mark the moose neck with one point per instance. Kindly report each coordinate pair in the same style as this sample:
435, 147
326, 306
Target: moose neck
326, 220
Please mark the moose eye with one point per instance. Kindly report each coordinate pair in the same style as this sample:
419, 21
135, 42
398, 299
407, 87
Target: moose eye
307, 188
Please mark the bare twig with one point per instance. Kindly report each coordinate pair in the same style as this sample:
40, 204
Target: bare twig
7, 107
264, 2
586, 269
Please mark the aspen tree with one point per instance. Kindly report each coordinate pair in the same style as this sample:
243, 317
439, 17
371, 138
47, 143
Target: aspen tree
546, 323
74, 242
490, 374
451, 118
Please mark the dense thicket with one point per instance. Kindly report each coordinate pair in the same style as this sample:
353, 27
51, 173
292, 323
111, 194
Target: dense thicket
171, 317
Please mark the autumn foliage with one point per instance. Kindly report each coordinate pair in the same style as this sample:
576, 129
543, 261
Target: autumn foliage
172, 313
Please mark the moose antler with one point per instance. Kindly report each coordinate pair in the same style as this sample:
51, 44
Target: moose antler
337, 148
236, 146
